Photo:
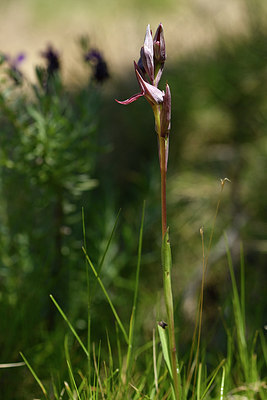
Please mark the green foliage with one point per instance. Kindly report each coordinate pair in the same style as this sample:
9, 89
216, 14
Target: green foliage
103, 379
48, 151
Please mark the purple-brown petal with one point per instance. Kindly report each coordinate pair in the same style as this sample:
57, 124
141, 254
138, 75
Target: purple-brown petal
130, 100
148, 54
151, 93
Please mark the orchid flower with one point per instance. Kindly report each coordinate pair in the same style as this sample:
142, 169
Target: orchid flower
148, 72
151, 93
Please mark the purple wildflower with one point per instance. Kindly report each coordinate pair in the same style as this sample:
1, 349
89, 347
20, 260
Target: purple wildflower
52, 60
14, 66
100, 66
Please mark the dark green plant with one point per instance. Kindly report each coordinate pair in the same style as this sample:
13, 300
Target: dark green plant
49, 146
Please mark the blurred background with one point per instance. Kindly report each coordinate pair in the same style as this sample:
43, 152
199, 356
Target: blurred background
69, 146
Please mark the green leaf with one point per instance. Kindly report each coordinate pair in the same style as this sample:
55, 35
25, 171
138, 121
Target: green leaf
164, 345
70, 325
107, 297
35, 376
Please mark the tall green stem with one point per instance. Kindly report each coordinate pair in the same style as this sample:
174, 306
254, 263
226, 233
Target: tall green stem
166, 252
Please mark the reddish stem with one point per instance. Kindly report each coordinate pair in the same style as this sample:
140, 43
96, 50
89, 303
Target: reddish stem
163, 170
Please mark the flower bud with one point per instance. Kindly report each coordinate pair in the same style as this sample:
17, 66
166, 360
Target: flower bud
159, 45
165, 115
159, 53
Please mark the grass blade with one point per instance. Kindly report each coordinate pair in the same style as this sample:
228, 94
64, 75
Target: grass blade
35, 376
263, 346
238, 315
213, 376
165, 351
155, 363
199, 381
132, 321
107, 297
108, 243
242, 283
73, 380
222, 384
88, 299
70, 325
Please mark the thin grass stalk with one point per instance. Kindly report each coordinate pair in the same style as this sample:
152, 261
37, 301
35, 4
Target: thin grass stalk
75, 390
82, 388
69, 392
67, 356
133, 315
242, 283
109, 242
212, 378
223, 181
70, 325
222, 384
107, 297
110, 358
96, 365
199, 381
88, 300
35, 376
204, 264
240, 323
263, 346
106, 381
198, 321
200, 309
155, 363
119, 355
